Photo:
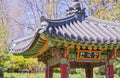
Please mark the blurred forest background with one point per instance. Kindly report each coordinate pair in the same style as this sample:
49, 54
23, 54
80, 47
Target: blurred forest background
19, 18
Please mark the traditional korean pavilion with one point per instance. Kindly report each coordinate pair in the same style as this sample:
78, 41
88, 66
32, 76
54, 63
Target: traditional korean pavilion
76, 41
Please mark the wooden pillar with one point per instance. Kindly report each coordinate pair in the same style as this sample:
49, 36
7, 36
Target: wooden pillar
49, 72
89, 71
109, 69
64, 67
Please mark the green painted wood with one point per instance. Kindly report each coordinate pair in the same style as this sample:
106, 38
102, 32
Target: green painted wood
84, 44
110, 62
55, 40
63, 61
53, 60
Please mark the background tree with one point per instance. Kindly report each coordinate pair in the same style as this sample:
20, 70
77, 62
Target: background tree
105, 9
4, 29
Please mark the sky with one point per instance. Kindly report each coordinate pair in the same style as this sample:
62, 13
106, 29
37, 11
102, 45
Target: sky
26, 16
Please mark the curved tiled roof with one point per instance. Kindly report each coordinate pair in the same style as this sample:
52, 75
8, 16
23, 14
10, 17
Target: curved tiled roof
21, 45
76, 28
90, 30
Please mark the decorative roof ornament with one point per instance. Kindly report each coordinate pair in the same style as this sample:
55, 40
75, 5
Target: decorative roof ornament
76, 10
44, 24
76, 4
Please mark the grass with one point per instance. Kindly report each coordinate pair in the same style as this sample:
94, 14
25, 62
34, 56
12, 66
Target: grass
41, 75
55, 75
37, 75
24, 75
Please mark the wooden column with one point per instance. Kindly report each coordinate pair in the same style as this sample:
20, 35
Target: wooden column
89, 71
64, 67
109, 69
49, 72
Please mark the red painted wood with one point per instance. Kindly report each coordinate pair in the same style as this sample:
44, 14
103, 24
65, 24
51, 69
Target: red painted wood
49, 72
46, 73
89, 72
64, 71
111, 71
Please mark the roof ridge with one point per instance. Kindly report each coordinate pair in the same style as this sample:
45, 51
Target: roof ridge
62, 19
91, 18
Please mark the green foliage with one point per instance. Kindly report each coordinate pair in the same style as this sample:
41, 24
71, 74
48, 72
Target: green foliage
10, 63
117, 66
21, 64
56, 70
115, 12
110, 14
4, 59
3, 38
